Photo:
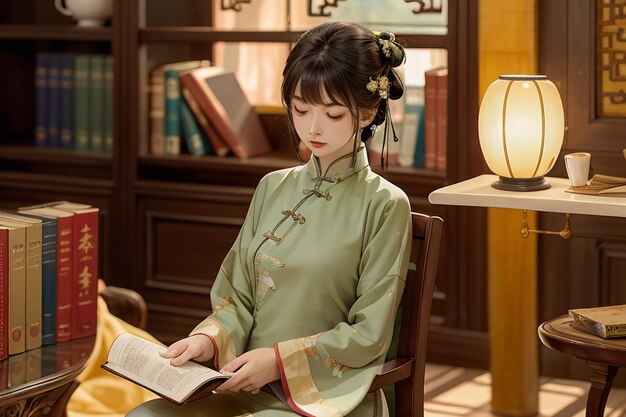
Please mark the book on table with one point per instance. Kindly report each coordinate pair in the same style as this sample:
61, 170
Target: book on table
64, 264
33, 283
84, 258
602, 185
606, 322
138, 361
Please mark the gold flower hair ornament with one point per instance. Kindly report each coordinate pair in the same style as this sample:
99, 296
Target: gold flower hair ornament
379, 85
385, 46
385, 41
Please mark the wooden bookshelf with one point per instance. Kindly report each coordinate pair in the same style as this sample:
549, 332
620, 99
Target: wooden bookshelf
185, 210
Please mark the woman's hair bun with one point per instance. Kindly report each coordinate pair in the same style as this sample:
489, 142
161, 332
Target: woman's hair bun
396, 88
393, 51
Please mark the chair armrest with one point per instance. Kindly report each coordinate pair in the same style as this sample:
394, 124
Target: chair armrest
126, 304
392, 372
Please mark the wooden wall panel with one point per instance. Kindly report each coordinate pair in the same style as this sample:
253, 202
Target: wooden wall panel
186, 250
585, 271
184, 243
589, 269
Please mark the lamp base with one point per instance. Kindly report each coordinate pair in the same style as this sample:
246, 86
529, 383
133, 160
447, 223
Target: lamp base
521, 184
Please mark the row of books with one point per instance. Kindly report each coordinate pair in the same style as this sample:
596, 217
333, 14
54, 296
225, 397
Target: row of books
74, 101
48, 275
206, 106
421, 123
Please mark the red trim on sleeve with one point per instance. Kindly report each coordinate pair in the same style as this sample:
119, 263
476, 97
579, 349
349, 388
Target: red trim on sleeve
283, 381
216, 352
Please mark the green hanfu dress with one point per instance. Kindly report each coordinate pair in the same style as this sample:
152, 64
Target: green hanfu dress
317, 272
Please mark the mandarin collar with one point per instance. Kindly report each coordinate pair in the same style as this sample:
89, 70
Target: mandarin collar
339, 169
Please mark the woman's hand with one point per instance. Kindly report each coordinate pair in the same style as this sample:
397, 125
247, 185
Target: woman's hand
252, 370
198, 347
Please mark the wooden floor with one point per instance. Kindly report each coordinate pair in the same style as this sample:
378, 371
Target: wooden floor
455, 392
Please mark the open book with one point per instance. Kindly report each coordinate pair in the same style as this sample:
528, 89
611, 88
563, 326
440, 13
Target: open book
602, 185
138, 361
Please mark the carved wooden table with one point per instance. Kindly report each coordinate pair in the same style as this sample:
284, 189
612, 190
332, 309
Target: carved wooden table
39, 382
604, 357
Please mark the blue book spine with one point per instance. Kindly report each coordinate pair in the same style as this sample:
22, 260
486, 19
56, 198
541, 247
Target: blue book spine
48, 278
67, 101
54, 100
41, 96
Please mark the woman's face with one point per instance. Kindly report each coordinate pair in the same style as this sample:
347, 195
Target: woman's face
325, 129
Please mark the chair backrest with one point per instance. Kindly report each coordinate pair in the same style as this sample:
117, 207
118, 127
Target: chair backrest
407, 370
127, 305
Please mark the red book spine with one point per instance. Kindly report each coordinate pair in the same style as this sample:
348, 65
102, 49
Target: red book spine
85, 282
442, 119
4, 375
65, 238
430, 117
4, 293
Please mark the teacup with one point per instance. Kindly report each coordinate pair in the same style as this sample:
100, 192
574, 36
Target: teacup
89, 13
577, 166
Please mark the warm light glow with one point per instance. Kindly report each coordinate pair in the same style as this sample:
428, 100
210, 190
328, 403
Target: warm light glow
521, 126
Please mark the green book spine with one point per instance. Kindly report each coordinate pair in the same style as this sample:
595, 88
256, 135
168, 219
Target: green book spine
172, 113
108, 103
96, 103
81, 102
196, 140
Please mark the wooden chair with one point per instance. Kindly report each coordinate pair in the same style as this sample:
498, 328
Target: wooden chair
126, 304
407, 370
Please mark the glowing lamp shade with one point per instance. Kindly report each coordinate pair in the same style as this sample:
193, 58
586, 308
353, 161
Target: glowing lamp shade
520, 126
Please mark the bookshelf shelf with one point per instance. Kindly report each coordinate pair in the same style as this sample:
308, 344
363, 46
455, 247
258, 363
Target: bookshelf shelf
55, 32
167, 210
57, 183
56, 156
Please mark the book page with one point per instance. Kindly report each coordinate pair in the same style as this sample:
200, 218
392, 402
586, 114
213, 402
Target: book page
139, 360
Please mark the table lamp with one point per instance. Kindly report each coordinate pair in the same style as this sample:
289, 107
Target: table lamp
520, 126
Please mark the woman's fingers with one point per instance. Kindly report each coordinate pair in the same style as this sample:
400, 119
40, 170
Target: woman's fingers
174, 350
235, 364
182, 358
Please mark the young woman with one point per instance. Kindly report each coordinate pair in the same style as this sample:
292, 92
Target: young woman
305, 301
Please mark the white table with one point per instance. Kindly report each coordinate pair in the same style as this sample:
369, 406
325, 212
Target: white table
477, 192
512, 278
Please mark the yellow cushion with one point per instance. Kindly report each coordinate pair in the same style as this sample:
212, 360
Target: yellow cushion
101, 393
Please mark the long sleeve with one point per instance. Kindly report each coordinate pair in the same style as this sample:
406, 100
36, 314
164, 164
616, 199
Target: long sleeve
329, 373
232, 292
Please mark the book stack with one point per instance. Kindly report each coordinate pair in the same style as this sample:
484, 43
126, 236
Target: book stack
48, 275
74, 101
602, 185
205, 106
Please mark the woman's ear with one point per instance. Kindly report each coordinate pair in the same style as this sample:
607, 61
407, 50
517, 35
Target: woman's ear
367, 116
